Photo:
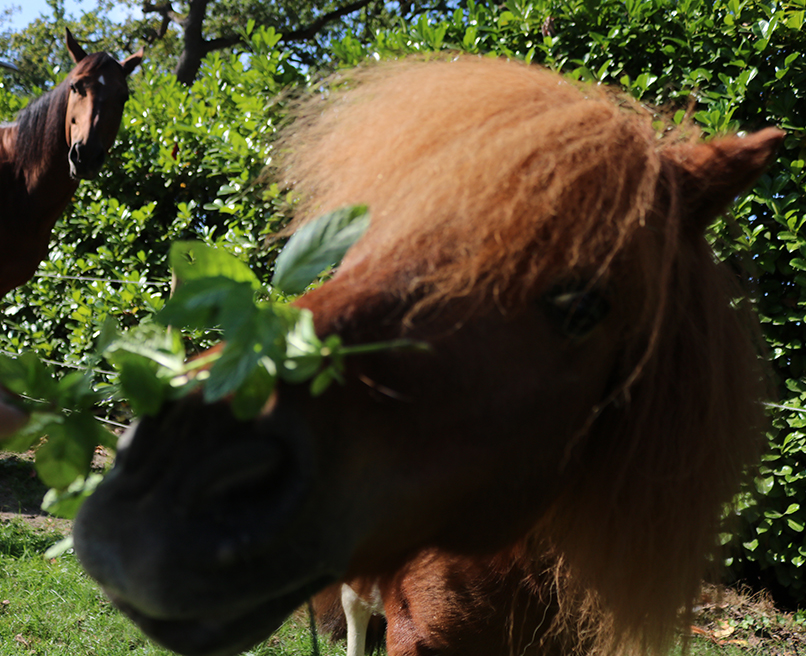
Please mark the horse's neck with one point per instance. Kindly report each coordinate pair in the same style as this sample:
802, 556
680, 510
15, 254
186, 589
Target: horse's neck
49, 191
31, 200
41, 191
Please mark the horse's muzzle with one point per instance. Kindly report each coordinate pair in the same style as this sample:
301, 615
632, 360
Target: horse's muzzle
85, 160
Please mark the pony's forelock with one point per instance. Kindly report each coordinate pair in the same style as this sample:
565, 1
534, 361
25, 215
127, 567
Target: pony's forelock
496, 175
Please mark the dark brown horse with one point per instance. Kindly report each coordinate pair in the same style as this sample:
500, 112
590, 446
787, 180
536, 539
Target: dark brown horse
59, 139
589, 404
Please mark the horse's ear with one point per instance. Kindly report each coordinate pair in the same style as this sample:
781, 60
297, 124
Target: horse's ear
132, 61
76, 51
710, 175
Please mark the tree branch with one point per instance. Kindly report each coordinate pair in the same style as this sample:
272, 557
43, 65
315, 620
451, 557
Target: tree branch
221, 42
165, 10
316, 26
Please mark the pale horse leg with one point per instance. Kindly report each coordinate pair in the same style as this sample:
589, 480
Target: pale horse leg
358, 610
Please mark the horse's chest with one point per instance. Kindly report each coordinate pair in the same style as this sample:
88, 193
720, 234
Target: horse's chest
23, 245
19, 259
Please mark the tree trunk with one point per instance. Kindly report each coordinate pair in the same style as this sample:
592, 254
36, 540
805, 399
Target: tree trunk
194, 48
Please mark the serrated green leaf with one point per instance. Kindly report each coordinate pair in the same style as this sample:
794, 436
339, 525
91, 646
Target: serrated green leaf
152, 342
261, 337
229, 372
251, 397
109, 333
140, 383
74, 391
67, 503
301, 368
209, 302
14, 373
316, 246
199, 303
62, 458
191, 260
322, 381
27, 375
302, 339
32, 432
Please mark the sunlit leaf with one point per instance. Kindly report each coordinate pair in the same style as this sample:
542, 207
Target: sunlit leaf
317, 245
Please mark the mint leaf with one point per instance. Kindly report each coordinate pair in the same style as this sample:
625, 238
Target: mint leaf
316, 246
191, 260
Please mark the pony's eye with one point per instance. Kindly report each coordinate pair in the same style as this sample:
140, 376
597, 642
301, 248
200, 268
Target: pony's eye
576, 308
77, 87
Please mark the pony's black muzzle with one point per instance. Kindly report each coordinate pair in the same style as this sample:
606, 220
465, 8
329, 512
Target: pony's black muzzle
186, 532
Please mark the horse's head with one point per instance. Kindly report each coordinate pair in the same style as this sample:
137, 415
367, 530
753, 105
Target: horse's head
589, 377
98, 93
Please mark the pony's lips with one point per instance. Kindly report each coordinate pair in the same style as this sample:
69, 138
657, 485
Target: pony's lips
218, 634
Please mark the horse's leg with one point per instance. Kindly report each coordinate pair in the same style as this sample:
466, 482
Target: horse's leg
357, 611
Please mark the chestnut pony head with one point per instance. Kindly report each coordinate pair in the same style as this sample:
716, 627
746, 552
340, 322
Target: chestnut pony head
592, 388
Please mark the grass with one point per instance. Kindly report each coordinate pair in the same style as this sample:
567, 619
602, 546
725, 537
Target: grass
51, 608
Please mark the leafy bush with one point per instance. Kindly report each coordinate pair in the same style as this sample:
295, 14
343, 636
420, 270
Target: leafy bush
184, 166
265, 339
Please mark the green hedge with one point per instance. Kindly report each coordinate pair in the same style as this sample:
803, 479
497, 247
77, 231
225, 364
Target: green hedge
184, 166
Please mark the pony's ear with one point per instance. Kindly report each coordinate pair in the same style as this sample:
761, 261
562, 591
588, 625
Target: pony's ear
76, 51
710, 175
132, 61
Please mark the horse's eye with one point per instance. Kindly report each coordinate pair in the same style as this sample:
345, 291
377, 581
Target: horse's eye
77, 87
576, 308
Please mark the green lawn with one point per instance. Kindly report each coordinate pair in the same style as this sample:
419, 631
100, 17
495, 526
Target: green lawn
51, 608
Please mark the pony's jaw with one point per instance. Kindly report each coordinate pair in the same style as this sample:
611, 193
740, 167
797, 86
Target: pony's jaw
221, 633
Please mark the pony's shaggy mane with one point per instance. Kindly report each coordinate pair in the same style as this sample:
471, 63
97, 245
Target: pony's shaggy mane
497, 179
474, 165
